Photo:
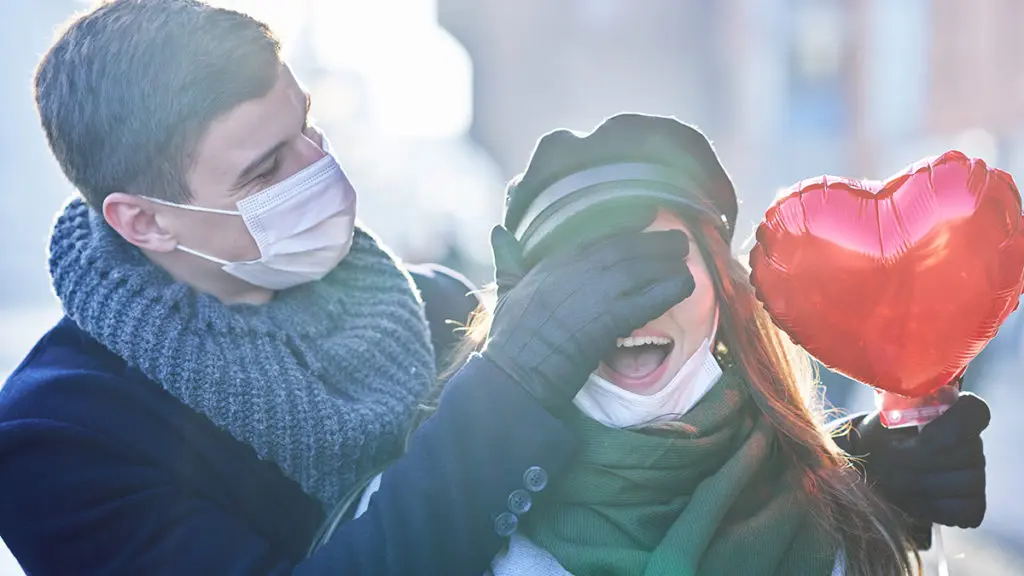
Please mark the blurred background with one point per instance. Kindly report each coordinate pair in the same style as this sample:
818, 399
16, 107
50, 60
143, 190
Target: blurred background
431, 105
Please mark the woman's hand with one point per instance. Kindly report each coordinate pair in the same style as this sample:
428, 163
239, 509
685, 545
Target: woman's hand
935, 476
555, 322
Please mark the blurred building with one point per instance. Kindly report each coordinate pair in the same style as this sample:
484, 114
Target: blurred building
33, 185
394, 92
786, 88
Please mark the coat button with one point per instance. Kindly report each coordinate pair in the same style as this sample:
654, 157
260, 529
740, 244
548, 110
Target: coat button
535, 479
519, 502
505, 524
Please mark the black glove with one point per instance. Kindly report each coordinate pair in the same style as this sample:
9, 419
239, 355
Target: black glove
555, 322
935, 476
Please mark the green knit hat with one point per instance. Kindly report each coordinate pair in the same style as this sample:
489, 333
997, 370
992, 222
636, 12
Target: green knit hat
581, 186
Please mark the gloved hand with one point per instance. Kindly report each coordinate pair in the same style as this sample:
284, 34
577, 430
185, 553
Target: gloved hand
935, 476
554, 322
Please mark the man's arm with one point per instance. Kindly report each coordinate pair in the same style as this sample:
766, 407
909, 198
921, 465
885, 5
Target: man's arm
78, 505
467, 471
449, 299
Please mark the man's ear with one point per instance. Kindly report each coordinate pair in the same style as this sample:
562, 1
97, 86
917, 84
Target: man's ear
136, 220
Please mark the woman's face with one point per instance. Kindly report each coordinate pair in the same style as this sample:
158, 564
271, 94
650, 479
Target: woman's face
645, 362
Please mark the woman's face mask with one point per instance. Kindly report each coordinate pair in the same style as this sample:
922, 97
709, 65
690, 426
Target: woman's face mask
654, 356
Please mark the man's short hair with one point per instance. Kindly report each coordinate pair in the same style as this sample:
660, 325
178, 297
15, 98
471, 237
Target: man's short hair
130, 87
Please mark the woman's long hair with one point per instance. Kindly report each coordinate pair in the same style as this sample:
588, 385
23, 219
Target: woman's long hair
782, 382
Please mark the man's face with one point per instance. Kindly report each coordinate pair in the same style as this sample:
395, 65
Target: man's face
254, 146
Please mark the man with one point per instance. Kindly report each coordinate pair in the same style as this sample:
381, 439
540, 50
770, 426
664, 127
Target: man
238, 359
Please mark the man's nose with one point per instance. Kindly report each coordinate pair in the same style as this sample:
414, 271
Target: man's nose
303, 153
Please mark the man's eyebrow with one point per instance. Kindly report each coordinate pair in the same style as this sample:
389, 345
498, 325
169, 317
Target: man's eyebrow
250, 170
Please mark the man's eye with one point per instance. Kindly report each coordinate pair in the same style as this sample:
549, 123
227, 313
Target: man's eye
266, 174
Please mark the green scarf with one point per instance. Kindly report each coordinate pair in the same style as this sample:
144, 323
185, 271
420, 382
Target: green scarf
711, 499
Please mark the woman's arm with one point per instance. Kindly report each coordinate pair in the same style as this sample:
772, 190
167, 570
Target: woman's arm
935, 476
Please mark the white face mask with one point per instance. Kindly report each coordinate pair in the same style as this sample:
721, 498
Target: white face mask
617, 408
302, 225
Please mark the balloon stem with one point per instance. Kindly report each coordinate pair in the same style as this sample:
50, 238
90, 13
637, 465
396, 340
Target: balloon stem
938, 551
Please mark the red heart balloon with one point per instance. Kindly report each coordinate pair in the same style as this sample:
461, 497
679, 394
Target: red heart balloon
897, 284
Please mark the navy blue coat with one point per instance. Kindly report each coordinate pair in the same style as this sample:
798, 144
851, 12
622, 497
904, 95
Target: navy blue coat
104, 472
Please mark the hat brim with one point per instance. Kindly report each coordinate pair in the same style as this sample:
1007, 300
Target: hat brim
604, 188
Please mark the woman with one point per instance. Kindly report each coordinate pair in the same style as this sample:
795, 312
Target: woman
748, 481
703, 449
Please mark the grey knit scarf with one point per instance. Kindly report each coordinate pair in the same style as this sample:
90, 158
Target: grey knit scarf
323, 381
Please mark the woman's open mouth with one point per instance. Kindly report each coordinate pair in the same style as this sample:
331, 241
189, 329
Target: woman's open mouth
638, 362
